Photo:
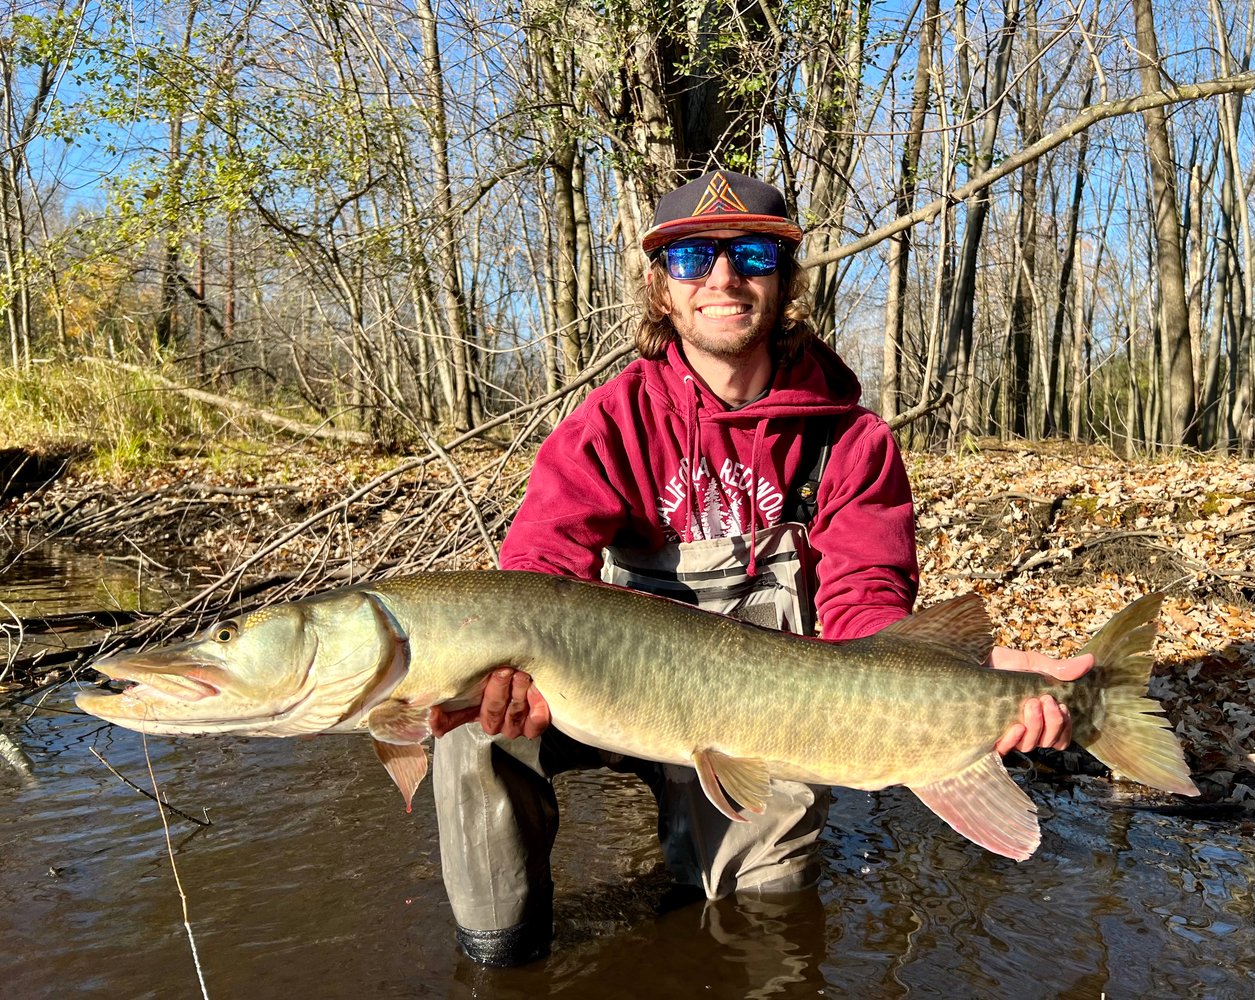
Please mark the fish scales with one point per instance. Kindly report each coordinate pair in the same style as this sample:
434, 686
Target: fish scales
635, 674
660, 672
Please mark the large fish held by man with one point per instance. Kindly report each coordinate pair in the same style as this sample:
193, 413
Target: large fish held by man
911, 705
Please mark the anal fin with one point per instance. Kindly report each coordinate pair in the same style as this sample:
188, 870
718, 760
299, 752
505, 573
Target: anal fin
985, 805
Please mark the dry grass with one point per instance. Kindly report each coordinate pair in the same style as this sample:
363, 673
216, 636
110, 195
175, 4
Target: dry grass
124, 421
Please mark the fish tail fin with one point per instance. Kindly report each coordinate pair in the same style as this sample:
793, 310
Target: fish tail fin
1126, 731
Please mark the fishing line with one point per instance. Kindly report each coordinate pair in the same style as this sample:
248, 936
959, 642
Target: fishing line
187, 920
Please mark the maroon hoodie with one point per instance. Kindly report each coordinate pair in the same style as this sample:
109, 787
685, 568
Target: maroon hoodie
652, 456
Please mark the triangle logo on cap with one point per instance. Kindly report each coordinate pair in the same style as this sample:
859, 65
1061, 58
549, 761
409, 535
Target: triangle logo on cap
719, 197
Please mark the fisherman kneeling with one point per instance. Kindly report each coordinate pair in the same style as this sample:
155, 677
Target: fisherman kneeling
730, 466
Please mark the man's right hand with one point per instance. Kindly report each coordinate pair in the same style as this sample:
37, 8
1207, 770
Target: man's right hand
510, 705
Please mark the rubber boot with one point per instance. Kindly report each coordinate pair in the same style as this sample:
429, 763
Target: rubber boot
525, 942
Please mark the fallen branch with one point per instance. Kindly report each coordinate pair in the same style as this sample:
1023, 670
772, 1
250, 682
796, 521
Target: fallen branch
75, 621
241, 409
48, 659
919, 410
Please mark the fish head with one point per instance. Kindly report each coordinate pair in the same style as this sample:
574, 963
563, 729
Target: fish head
291, 669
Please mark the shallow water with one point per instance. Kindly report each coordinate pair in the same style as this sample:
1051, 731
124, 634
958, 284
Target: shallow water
313, 880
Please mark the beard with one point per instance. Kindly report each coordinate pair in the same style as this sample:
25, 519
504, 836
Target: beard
736, 342
724, 347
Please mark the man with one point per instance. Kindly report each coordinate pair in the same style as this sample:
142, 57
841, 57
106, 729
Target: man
730, 466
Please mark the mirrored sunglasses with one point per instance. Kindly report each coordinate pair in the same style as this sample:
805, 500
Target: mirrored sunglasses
750, 256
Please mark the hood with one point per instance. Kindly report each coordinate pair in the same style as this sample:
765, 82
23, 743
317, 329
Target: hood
819, 384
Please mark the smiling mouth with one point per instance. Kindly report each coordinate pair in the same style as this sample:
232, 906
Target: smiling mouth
724, 311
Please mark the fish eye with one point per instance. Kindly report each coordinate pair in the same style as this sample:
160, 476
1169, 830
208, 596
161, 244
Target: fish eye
225, 632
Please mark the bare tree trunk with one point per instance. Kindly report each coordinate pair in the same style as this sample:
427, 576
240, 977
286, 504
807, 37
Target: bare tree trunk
18, 130
904, 199
1020, 355
1135, 422
465, 406
1082, 319
1057, 408
1239, 419
1176, 376
1192, 229
963, 297
167, 328
674, 102
833, 76
1223, 291
554, 62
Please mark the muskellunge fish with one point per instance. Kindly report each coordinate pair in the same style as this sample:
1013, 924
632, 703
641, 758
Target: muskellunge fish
912, 705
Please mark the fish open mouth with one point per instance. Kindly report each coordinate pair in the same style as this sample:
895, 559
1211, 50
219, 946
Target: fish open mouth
184, 697
167, 704
145, 685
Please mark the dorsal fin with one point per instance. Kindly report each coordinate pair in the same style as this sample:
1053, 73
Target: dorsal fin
960, 624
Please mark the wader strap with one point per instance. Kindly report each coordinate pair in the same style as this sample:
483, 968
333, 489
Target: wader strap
801, 502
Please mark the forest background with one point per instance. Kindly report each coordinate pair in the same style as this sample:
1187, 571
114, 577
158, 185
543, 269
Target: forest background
400, 221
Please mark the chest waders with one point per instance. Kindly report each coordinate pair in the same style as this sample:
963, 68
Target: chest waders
497, 812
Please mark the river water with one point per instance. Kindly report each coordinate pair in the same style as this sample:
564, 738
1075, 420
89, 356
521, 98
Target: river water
313, 881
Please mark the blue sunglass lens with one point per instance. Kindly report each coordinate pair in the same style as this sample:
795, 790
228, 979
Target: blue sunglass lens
686, 261
753, 258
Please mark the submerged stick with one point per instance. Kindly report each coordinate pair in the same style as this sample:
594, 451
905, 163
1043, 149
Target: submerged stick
144, 791
11, 751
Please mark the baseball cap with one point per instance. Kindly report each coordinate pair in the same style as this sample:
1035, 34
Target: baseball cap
720, 199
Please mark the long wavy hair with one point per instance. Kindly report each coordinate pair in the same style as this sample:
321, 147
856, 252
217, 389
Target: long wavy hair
655, 330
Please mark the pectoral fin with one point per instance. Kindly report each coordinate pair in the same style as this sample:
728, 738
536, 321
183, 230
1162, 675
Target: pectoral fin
987, 807
398, 729
406, 766
744, 778
399, 722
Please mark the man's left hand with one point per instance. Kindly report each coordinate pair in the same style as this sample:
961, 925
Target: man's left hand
1044, 722
510, 705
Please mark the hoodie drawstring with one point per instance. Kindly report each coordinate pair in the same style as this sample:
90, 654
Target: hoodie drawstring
756, 454
691, 452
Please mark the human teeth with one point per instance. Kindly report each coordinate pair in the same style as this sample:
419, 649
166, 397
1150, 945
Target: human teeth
721, 311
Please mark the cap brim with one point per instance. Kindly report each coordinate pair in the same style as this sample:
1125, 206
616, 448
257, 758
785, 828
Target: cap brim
676, 229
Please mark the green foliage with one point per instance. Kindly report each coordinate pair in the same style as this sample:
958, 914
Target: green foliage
35, 40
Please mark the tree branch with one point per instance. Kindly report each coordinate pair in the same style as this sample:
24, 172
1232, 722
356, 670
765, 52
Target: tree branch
1241, 83
242, 409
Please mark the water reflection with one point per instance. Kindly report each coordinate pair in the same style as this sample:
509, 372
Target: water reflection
312, 879
49, 579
